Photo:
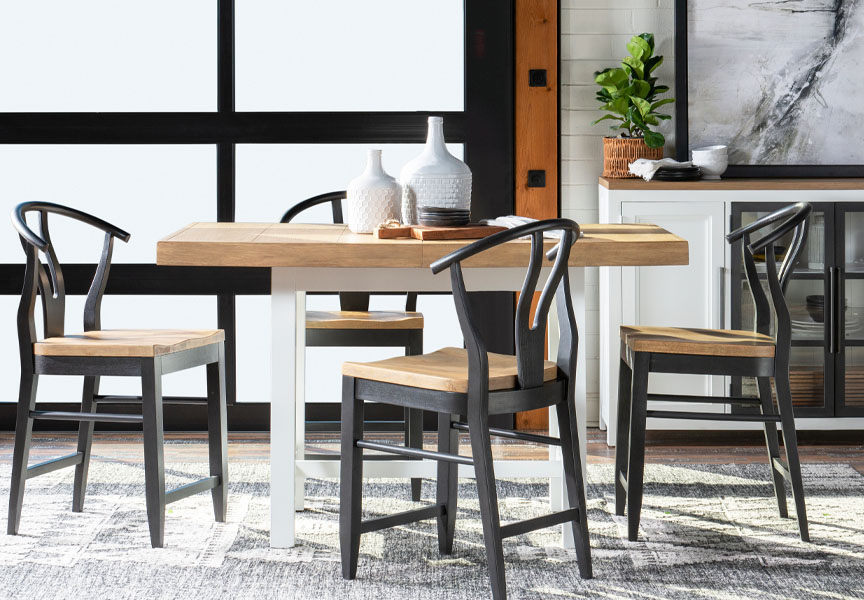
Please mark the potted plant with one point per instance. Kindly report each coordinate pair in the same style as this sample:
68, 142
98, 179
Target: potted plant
629, 95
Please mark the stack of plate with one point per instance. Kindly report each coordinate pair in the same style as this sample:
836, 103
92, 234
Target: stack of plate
433, 216
677, 174
809, 321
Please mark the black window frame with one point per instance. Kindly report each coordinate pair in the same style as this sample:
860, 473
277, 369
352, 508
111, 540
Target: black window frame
485, 126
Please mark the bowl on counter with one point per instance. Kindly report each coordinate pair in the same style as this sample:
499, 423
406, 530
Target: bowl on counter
711, 160
815, 305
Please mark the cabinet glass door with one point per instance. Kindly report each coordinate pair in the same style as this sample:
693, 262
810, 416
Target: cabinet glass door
812, 392
849, 281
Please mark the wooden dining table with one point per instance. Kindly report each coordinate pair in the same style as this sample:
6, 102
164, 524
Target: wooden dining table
330, 258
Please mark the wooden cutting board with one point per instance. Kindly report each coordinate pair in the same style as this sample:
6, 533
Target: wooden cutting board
472, 231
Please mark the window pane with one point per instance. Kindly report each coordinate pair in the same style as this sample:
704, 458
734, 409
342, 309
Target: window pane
150, 191
118, 312
105, 55
270, 179
323, 365
348, 55
273, 177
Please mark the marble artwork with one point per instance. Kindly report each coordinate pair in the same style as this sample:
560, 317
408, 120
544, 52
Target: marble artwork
778, 81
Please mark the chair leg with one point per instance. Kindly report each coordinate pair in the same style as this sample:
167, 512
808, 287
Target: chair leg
481, 447
85, 442
154, 460
622, 437
636, 459
414, 417
21, 452
572, 459
790, 443
414, 439
351, 479
217, 433
448, 480
773, 444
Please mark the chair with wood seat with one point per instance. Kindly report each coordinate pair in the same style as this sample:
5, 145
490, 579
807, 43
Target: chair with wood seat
763, 354
465, 387
147, 354
356, 326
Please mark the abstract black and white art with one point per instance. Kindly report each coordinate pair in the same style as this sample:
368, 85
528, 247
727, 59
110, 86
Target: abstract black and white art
778, 81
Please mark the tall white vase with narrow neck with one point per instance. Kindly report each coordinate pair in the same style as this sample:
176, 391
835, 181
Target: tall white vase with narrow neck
435, 178
373, 197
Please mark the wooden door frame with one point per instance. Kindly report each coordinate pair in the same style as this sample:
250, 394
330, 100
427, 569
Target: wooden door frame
537, 115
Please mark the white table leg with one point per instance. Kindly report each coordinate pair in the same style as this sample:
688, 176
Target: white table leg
300, 396
577, 291
283, 432
557, 492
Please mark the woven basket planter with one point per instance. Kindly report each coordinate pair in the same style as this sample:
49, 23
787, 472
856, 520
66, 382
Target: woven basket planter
618, 153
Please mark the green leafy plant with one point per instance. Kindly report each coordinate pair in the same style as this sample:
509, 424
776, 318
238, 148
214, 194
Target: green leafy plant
629, 92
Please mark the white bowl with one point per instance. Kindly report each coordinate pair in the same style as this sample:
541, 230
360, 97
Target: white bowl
719, 149
712, 166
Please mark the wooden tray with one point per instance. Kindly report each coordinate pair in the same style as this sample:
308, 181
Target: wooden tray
472, 231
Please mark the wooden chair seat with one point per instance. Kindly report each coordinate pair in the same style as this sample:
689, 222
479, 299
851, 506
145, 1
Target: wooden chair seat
375, 319
128, 342
699, 342
445, 370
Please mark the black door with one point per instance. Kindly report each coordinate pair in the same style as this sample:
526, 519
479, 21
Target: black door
849, 309
811, 305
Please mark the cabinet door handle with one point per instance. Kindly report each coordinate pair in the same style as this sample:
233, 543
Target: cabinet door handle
832, 323
839, 309
721, 297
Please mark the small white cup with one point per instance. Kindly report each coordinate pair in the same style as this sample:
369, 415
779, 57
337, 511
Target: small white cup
711, 160
719, 149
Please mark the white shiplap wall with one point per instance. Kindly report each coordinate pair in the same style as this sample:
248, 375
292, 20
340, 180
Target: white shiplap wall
594, 34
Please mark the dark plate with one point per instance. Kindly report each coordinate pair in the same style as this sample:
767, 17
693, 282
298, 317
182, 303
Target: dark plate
443, 216
440, 216
692, 168
458, 220
696, 173
440, 223
442, 210
678, 173
684, 177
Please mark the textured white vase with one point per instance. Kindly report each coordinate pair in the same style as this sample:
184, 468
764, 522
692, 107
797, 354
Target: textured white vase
435, 178
373, 197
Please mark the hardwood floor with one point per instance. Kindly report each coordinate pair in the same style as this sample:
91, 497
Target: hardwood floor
662, 447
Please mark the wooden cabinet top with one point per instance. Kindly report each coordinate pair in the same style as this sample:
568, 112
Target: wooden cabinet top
734, 184
329, 246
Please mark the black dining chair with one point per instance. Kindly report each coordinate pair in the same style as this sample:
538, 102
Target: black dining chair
354, 325
465, 387
97, 352
760, 354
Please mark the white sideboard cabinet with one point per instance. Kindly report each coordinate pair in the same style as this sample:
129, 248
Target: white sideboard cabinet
711, 291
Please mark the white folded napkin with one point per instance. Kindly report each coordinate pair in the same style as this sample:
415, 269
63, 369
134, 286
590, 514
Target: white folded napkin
646, 169
511, 221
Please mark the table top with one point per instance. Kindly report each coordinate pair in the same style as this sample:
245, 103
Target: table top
734, 184
325, 246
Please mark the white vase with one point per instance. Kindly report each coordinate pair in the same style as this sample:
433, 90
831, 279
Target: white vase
373, 197
435, 178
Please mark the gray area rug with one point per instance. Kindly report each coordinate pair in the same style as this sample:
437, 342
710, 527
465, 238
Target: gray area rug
708, 531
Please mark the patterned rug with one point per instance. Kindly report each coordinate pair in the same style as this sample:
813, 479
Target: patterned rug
708, 531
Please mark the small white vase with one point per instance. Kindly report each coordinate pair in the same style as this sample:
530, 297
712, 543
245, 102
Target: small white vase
373, 197
435, 178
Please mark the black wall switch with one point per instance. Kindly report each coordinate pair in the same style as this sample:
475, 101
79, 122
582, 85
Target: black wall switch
536, 178
537, 78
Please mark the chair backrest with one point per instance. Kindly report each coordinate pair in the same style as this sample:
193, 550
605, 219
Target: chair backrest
49, 282
334, 198
530, 333
792, 219
358, 301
